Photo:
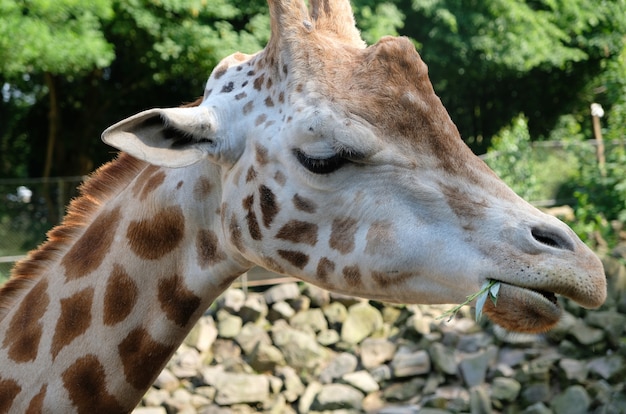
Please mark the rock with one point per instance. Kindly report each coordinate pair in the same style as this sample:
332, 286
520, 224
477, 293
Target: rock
301, 303
282, 292
265, 358
407, 363
586, 335
186, 363
361, 380
479, 400
574, 369
537, 408
404, 390
319, 297
280, 310
228, 326
537, 392
376, 351
310, 320
149, 410
232, 300
166, 381
335, 313
328, 337
250, 336
338, 396
155, 397
363, 319
574, 400
337, 367
474, 367
292, 383
225, 350
444, 358
300, 349
202, 335
235, 388
308, 397
254, 308
505, 389
610, 367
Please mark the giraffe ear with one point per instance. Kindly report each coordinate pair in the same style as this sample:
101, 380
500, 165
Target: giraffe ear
173, 137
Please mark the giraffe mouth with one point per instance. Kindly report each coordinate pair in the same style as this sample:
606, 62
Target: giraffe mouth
522, 309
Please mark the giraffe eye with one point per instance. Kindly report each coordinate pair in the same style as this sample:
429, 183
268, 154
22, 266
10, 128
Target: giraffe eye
320, 165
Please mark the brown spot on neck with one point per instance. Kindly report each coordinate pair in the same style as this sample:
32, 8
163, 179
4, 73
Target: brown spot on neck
9, 390
385, 280
36, 404
120, 297
261, 154
208, 249
85, 382
202, 189
258, 82
178, 302
91, 248
148, 181
154, 238
25, 329
253, 224
74, 320
142, 358
298, 259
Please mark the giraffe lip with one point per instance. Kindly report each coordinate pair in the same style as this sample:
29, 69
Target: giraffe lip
523, 309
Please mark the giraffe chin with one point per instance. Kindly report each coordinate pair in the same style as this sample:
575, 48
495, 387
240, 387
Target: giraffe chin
524, 310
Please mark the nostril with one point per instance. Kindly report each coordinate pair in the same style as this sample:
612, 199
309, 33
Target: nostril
552, 238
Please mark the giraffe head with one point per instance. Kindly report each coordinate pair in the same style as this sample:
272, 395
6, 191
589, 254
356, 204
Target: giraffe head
340, 166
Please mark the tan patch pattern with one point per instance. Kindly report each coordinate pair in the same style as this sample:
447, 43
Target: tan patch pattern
202, 189
253, 223
235, 233
304, 204
297, 231
178, 302
260, 119
298, 259
385, 280
141, 188
208, 249
342, 234
9, 389
261, 154
120, 296
85, 383
153, 238
138, 351
325, 267
352, 275
36, 404
74, 320
251, 174
25, 329
87, 254
269, 207
380, 239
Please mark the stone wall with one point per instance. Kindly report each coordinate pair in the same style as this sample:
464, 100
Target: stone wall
295, 348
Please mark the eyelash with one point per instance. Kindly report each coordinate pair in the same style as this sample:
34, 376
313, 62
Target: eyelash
320, 165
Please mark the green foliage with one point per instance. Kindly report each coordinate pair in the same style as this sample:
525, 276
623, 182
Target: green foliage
60, 36
600, 195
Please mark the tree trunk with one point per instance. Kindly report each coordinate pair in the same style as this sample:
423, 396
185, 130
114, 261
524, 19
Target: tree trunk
53, 123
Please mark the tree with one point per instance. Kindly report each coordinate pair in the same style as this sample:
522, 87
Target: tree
48, 40
492, 59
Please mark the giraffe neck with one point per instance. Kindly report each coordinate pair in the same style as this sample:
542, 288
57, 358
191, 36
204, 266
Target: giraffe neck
107, 306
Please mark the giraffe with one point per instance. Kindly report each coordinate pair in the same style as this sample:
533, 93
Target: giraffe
317, 157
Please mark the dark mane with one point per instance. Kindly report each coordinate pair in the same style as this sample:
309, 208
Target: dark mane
101, 186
